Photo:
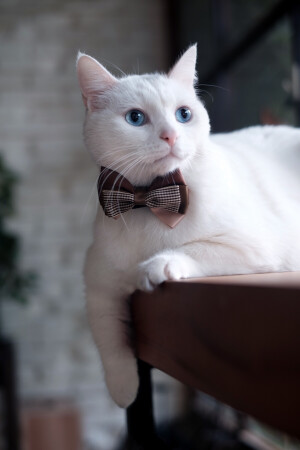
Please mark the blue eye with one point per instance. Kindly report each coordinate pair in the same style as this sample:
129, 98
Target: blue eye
135, 117
183, 114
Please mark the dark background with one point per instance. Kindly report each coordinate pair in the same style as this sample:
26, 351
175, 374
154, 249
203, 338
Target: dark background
256, 88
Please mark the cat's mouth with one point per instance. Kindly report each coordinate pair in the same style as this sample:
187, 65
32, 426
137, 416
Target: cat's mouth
169, 156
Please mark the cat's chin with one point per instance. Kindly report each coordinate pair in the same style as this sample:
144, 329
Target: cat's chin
145, 177
167, 164
166, 161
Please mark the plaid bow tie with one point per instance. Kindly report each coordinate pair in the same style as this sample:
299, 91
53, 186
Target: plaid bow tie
167, 197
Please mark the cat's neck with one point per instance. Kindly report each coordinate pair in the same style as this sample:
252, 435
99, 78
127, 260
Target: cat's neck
209, 169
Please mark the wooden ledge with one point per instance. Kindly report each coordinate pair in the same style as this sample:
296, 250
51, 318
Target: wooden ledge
236, 338
279, 279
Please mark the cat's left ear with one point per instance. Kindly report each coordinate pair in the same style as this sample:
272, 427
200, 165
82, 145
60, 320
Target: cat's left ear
93, 79
184, 70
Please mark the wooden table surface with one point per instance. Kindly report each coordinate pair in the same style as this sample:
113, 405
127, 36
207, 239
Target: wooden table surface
281, 279
236, 338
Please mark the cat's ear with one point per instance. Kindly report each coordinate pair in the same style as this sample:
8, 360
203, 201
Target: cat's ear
184, 70
94, 79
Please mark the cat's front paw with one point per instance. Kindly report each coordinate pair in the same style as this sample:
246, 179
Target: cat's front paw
162, 267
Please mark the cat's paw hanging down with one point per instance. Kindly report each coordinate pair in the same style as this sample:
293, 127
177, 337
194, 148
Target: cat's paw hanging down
122, 379
170, 265
108, 315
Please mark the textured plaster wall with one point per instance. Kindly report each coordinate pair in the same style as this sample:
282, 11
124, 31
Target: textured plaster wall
41, 117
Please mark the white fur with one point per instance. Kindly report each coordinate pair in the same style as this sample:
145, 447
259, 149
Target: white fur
243, 216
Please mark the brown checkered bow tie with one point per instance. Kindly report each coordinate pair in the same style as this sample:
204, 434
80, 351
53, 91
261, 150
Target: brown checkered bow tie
167, 196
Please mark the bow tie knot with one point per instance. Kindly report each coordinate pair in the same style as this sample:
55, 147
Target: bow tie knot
167, 197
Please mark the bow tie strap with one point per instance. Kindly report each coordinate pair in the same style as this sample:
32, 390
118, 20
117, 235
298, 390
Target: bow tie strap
167, 197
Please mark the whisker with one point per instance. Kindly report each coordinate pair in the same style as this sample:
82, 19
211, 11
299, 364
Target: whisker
213, 85
115, 66
199, 91
101, 161
117, 166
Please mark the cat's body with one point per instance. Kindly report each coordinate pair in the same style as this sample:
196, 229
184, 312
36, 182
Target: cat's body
243, 214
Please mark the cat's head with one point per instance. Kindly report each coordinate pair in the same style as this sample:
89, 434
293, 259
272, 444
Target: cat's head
143, 125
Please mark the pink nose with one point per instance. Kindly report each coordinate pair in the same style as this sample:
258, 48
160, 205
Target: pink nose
169, 136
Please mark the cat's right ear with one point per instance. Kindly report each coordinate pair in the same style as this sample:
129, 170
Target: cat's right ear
94, 79
184, 70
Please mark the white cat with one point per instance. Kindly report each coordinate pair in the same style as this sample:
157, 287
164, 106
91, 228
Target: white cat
244, 208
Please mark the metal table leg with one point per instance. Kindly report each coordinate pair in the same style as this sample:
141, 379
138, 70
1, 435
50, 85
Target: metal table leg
8, 387
140, 419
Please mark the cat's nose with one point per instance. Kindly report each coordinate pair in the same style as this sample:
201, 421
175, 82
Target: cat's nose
170, 136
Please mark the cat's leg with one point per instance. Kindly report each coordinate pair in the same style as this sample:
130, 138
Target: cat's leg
108, 314
196, 259
108, 318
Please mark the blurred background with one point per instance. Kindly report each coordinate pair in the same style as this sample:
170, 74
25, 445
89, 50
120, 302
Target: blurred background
248, 74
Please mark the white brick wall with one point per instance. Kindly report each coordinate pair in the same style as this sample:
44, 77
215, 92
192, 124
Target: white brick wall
41, 119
